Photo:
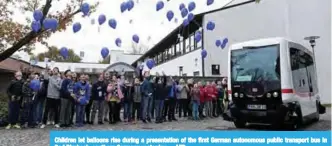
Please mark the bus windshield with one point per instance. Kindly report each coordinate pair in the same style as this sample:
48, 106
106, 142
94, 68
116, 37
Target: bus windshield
255, 64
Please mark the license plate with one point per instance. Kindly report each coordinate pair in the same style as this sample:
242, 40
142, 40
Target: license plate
256, 107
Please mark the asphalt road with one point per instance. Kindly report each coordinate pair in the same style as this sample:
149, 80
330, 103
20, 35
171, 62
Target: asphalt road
40, 137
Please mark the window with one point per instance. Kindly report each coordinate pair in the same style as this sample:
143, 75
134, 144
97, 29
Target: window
198, 44
196, 73
160, 58
156, 59
303, 71
81, 54
179, 49
215, 69
172, 50
180, 70
187, 45
166, 55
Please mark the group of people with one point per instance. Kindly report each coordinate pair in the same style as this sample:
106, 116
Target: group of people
72, 100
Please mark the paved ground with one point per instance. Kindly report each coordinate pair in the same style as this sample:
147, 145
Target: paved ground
40, 137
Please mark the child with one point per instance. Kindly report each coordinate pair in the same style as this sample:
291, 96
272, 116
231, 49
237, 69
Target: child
137, 100
14, 92
195, 96
81, 91
27, 103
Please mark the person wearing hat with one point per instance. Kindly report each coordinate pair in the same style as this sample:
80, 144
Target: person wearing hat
66, 95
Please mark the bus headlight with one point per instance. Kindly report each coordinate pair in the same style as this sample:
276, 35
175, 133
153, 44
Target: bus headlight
268, 95
236, 94
275, 94
241, 95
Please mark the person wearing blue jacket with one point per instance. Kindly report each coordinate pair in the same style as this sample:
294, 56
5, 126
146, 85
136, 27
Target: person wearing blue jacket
66, 96
170, 101
82, 95
147, 91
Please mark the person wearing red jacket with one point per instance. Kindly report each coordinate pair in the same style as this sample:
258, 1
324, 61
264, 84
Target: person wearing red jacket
201, 99
214, 100
210, 94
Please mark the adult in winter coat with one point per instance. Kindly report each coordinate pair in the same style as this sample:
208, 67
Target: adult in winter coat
182, 94
98, 99
14, 93
160, 95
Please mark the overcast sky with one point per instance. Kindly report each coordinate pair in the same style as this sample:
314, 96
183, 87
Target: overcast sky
146, 22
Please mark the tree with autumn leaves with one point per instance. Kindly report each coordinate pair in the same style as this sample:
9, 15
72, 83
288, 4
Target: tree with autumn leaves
15, 36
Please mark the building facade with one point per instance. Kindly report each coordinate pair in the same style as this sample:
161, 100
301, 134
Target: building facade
291, 19
244, 20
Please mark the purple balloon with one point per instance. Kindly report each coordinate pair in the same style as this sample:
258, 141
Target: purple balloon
112, 23
77, 27
35, 85
191, 16
191, 6
130, 4
209, 2
37, 15
210, 25
47, 23
150, 63
170, 15
54, 24
64, 52
182, 6
104, 52
218, 43
135, 38
85, 8
203, 53
198, 36
185, 22
118, 42
184, 12
123, 6
101, 19
160, 5
36, 26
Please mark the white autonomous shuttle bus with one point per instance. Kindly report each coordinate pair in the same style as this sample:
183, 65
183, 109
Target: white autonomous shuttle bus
272, 81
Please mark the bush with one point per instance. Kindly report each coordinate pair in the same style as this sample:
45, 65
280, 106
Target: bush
3, 109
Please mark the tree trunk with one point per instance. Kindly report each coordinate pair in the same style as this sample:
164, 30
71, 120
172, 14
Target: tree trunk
10, 51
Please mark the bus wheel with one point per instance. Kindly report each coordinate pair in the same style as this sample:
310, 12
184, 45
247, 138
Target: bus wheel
295, 121
239, 123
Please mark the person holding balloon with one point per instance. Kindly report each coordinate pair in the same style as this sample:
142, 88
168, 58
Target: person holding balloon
29, 89
82, 95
